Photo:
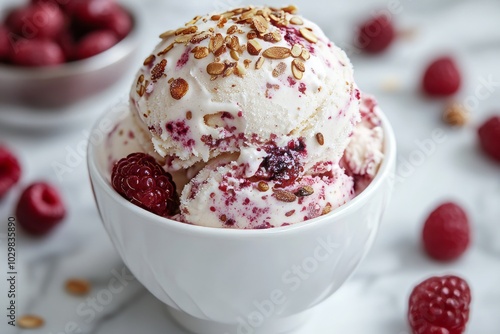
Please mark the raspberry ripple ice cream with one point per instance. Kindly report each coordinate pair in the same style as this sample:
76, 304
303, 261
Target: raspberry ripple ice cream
256, 115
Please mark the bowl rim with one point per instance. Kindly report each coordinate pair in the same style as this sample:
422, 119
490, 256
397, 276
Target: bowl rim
383, 175
94, 63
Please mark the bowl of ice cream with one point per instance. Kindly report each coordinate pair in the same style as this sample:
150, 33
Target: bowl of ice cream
51, 58
282, 170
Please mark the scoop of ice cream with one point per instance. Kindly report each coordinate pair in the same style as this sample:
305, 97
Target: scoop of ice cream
237, 80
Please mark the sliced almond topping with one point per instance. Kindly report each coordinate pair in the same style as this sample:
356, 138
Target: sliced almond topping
78, 287
215, 43
456, 114
141, 90
304, 191
189, 115
296, 50
193, 21
251, 34
327, 209
305, 54
186, 31
254, 47
320, 139
297, 73
272, 37
149, 60
167, 34
222, 22
183, 39
297, 21
215, 68
229, 70
235, 55
234, 44
200, 37
178, 88
165, 51
279, 69
247, 63
290, 213
232, 29
158, 71
284, 195
263, 186
215, 17
308, 35
30, 322
259, 63
260, 23
290, 9
140, 79
240, 70
277, 52
200, 52
299, 64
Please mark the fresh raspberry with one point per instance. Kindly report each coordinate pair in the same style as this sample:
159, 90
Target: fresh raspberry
4, 43
281, 164
376, 34
141, 180
442, 77
489, 137
95, 43
439, 305
446, 233
37, 53
40, 209
42, 20
119, 22
10, 170
92, 13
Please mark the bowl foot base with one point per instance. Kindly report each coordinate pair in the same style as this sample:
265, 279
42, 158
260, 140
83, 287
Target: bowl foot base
268, 326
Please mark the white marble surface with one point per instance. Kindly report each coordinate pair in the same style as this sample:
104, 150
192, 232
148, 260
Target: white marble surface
374, 300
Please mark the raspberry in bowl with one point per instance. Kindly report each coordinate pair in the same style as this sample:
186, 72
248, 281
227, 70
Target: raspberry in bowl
53, 55
252, 117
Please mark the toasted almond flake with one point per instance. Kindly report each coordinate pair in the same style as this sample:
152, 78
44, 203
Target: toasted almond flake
284, 195
215, 43
277, 52
167, 34
189, 115
260, 23
166, 50
220, 51
254, 47
296, 21
232, 29
296, 50
320, 139
235, 43
247, 63
186, 31
304, 191
290, 213
252, 34
201, 52
298, 74
193, 21
279, 69
263, 186
290, 9
30, 321
215, 17
215, 68
149, 60
178, 88
248, 14
235, 55
158, 71
327, 209
140, 79
170, 80
305, 54
141, 90
240, 70
308, 35
259, 63
183, 39
78, 287
299, 64
456, 114
222, 22
200, 37
228, 71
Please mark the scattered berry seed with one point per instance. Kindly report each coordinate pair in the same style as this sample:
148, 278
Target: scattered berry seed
442, 77
141, 180
489, 137
40, 209
440, 305
446, 233
10, 170
376, 34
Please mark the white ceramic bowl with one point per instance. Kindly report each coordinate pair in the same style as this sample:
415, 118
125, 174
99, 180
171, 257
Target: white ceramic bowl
224, 281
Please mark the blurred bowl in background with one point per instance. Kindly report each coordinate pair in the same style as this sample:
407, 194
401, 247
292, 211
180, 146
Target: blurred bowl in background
62, 85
